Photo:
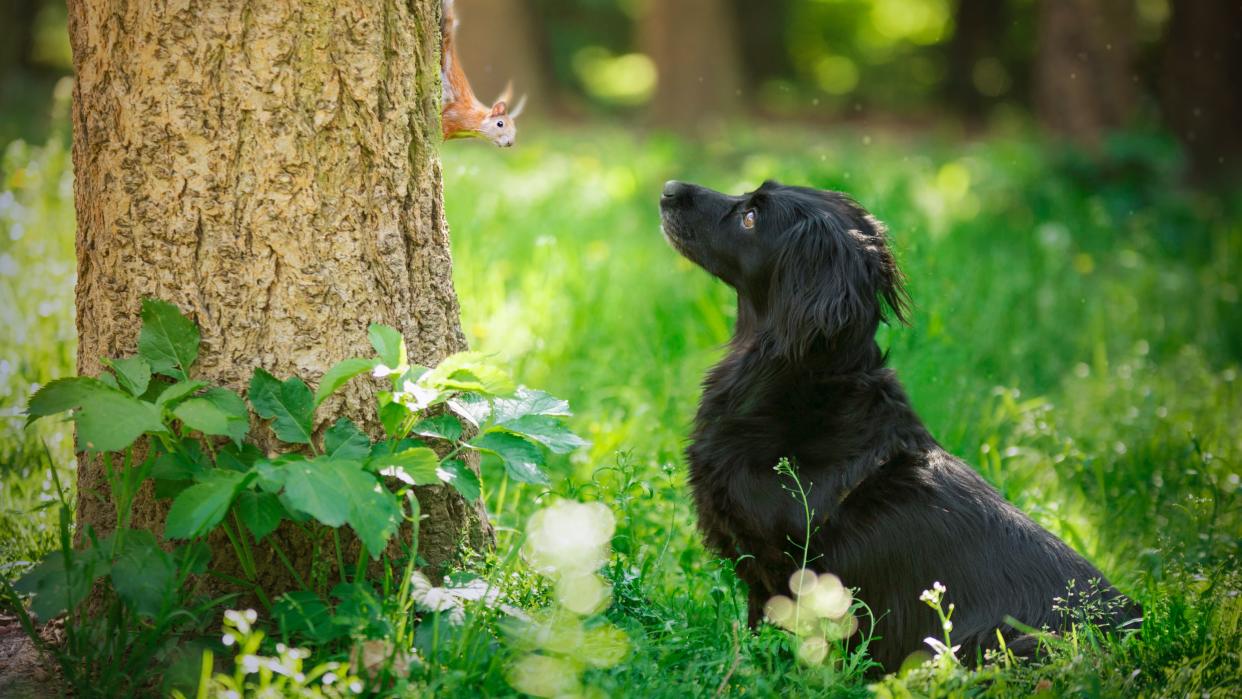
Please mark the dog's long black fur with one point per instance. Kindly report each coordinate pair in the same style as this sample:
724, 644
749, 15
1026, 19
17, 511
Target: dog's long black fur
805, 380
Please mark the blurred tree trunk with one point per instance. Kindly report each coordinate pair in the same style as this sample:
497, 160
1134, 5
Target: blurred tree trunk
694, 46
499, 41
764, 43
1199, 91
271, 169
17, 20
1084, 81
979, 29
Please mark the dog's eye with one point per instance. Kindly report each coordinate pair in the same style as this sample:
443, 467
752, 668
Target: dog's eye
748, 218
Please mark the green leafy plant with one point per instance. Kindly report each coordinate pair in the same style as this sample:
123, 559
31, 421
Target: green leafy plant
200, 454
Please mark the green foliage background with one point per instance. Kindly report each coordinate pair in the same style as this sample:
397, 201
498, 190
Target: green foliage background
1076, 336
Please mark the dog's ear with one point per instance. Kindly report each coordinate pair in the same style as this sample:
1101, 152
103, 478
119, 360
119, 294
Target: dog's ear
833, 280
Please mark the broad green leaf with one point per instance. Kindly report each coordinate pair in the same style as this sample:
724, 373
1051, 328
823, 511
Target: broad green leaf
314, 487
388, 344
168, 340
200, 507
56, 587
108, 419
289, 405
111, 420
463, 479
177, 391
238, 458
261, 512
302, 613
176, 471
501, 410
413, 466
527, 401
272, 473
143, 574
132, 373
474, 408
344, 440
193, 557
393, 416
374, 511
234, 408
522, 460
547, 430
336, 377
469, 371
441, 426
60, 395
106, 377
202, 415
175, 467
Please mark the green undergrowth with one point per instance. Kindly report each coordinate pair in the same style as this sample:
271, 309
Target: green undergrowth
1076, 336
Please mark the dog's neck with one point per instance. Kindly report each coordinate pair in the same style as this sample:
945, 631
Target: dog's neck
853, 351
846, 380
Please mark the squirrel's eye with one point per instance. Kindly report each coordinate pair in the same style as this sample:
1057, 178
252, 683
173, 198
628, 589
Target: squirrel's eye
500, 124
748, 218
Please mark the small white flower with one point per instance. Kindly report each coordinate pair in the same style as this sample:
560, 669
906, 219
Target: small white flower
399, 473
941, 649
414, 396
947, 626
250, 664
228, 639
380, 371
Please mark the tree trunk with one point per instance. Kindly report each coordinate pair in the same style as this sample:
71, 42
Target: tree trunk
499, 41
764, 46
978, 31
271, 169
694, 46
1084, 78
17, 20
1199, 97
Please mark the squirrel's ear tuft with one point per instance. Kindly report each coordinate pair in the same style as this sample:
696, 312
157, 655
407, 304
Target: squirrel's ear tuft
498, 109
517, 111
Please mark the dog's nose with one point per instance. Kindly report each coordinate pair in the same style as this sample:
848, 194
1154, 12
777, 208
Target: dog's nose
672, 188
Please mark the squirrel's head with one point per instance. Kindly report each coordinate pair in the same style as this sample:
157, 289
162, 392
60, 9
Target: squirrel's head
499, 127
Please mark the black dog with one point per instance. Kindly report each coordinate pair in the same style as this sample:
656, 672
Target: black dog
805, 380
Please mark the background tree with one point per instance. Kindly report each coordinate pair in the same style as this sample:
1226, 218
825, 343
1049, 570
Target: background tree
1199, 94
272, 170
499, 41
978, 35
1084, 81
17, 20
694, 46
763, 43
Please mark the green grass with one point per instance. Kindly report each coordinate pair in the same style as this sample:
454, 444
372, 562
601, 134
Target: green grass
1076, 336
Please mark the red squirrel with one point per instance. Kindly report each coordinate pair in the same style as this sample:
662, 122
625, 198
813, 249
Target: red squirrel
463, 115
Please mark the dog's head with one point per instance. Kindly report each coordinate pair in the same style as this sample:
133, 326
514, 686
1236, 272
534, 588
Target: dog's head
813, 266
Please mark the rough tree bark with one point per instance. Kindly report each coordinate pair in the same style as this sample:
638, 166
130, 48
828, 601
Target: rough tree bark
1199, 95
270, 168
694, 46
1084, 78
499, 41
